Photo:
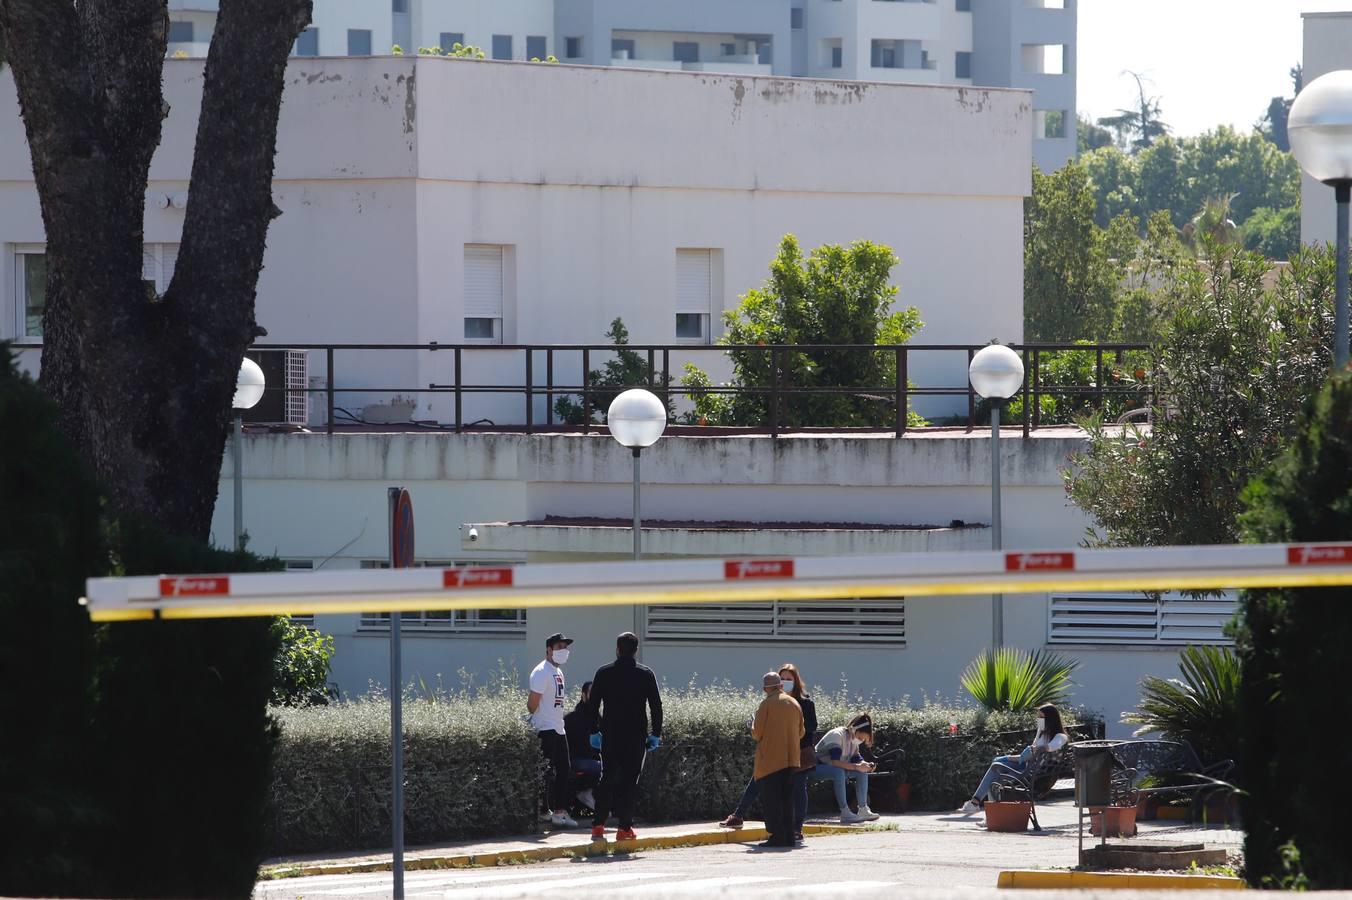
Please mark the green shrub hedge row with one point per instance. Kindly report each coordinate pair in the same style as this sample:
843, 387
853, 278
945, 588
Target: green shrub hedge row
473, 765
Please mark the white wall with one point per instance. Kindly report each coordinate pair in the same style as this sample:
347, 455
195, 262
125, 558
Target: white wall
1328, 37
320, 498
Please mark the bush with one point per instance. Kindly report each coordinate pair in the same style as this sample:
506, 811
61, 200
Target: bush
473, 766
1201, 708
300, 670
628, 369
1293, 647
1018, 680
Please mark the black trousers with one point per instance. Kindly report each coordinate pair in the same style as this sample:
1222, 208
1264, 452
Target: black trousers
622, 761
776, 796
554, 746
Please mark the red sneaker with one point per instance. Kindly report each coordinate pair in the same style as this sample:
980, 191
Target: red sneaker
626, 834
598, 832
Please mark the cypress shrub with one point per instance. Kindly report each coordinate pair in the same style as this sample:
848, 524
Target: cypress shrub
1293, 646
50, 539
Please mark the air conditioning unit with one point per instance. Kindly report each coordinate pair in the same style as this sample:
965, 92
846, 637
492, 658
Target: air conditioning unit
285, 398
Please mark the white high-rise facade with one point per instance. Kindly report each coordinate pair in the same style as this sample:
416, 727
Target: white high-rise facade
985, 43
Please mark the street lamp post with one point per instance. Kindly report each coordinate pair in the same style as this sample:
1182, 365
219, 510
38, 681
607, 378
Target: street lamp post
1320, 130
636, 419
249, 386
996, 373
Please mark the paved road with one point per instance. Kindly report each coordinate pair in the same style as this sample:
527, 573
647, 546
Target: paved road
948, 863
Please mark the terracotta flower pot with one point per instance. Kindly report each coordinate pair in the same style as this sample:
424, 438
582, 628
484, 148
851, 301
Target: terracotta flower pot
1007, 816
1121, 820
903, 796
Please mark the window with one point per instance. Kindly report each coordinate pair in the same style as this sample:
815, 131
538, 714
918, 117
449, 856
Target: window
450, 38
962, 64
694, 295
685, 51
782, 621
536, 47
1044, 59
572, 47
157, 265
796, 17
483, 293
30, 270
180, 32
728, 49
622, 48
502, 46
307, 42
358, 42
1170, 619
836, 57
963, 5
883, 55
1049, 124
399, 7
460, 621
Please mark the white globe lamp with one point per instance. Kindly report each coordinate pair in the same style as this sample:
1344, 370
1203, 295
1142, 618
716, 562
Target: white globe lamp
1320, 130
249, 385
636, 419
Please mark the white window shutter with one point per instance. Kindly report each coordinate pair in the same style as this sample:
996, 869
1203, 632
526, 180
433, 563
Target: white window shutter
694, 281
168, 260
483, 282
150, 265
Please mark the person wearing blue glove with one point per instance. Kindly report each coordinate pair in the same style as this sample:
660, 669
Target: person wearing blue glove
622, 695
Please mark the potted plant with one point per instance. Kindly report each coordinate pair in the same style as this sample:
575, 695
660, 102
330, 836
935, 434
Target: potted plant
1113, 821
1007, 815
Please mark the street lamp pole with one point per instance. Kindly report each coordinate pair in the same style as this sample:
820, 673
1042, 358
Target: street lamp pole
249, 385
636, 419
638, 523
996, 373
1320, 130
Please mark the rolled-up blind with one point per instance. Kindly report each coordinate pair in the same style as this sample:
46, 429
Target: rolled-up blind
483, 282
694, 281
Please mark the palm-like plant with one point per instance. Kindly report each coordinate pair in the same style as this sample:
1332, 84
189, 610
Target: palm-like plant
1018, 680
1201, 708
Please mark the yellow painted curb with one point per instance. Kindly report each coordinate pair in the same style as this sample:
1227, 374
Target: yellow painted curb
508, 857
1038, 879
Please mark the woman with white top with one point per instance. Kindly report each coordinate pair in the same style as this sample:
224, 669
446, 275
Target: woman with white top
840, 758
1051, 736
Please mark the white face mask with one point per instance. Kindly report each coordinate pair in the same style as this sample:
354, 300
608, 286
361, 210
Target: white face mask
1041, 725
788, 685
560, 656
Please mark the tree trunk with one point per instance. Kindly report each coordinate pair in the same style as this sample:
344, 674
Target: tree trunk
144, 381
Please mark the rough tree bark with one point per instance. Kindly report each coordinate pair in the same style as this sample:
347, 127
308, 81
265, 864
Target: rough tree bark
144, 382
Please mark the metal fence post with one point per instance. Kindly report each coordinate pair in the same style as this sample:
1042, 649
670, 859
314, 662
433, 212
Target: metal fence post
1025, 391
549, 387
774, 392
459, 400
971, 393
586, 389
328, 388
530, 398
899, 369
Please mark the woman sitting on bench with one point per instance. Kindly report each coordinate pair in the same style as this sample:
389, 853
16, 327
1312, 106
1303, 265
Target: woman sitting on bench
1051, 737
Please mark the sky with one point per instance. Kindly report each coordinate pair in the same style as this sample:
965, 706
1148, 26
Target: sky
1210, 62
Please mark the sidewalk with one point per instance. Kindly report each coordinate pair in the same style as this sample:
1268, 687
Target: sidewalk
1058, 818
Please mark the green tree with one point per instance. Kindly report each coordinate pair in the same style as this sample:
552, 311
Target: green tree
301, 666
834, 295
626, 369
1089, 136
1114, 176
1272, 125
1235, 363
1275, 233
1140, 126
1293, 644
1068, 279
1144, 266
1159, 180
1222, 162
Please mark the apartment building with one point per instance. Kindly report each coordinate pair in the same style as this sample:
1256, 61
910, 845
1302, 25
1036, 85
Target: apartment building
983, 43
1327, 47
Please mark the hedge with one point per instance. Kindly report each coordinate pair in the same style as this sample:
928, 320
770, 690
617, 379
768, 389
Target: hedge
473, 767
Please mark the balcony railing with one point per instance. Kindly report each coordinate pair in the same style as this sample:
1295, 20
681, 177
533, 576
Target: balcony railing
1113, 380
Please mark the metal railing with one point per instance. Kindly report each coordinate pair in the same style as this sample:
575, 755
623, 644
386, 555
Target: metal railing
1107, 385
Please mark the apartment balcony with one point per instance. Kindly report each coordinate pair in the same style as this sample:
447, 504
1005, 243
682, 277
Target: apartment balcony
746, 64
625, 62
926, 74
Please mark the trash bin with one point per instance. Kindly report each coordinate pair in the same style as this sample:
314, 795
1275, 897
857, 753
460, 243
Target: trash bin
1093, 772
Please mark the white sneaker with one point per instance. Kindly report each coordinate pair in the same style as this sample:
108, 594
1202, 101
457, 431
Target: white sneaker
867, 813
851, 818
563, 820
587, 798
970, 808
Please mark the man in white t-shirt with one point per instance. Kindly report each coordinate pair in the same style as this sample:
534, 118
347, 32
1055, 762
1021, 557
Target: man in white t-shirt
546, 716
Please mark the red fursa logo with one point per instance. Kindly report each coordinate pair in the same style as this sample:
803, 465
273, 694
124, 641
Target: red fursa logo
1039, 562
1317, 555
477, 578
758, 568
194, 586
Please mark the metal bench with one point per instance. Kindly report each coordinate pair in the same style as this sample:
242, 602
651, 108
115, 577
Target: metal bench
1035, 780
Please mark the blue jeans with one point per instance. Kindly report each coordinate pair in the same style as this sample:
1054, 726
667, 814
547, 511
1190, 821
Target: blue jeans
799, 799
838, 777
993, 774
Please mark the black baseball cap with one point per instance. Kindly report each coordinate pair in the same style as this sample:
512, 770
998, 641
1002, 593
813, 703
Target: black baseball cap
558, 637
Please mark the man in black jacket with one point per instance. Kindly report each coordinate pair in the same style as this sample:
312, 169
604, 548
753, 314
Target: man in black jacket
621, 693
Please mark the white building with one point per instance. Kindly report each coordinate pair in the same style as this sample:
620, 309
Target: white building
985, 43
400, 225
1327, 48
572, 200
